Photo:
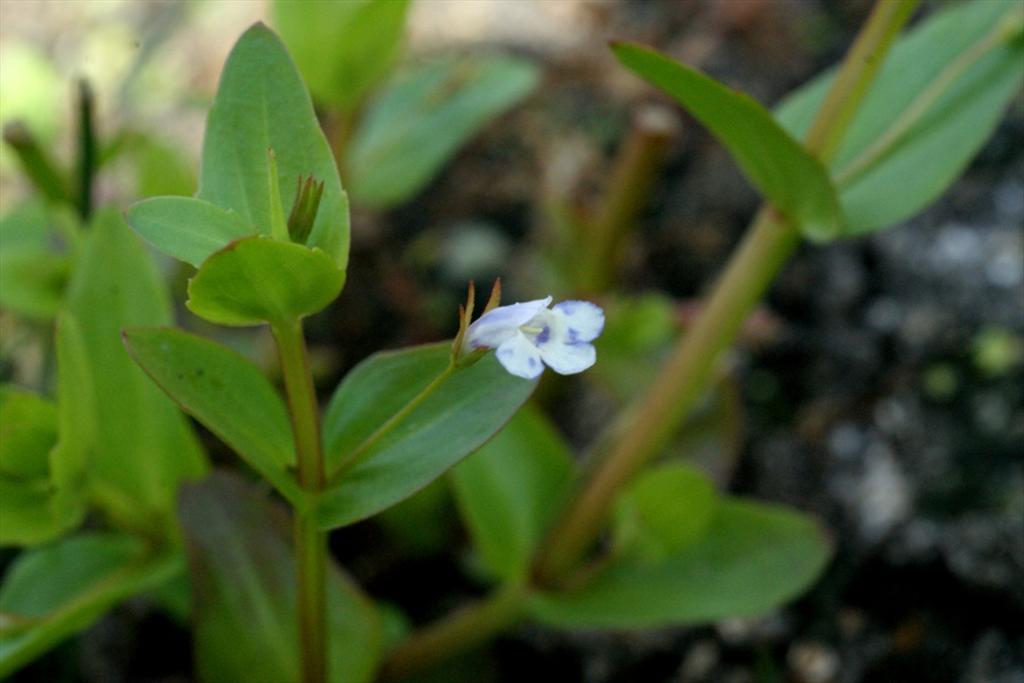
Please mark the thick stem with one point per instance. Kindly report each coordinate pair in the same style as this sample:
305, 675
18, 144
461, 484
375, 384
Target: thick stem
474, 624
311, 568
310, 542
644, 429
856, 74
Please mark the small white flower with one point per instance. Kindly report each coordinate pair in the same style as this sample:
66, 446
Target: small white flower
526, 334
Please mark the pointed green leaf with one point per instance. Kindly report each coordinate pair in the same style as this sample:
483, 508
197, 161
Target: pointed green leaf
464, 411
258, 279
935, 102
342, 48
775, 163
187, 229
422, 119
225, 392
52, 592
243, 579
751, 559
508, 491
262, 105
145, 447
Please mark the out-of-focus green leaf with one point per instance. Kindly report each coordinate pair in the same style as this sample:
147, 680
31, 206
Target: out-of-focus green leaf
465, 410
32, 274
777, 165
663, 510
224, 391
40, 480
52, 592
423, 117
76, 411
188, 229
262, 105
243, 578
144, 447
934, 103
342, 48
43, 450
258, 279
751, 558
508, 491
160, 170
28, 429
33, 282
422, 524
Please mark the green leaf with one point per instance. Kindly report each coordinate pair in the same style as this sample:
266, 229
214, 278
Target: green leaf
751, 559
52, 592
262, 105
243, 578
227, 393
258, 279
775, 163
465, 410
144, 445
32, 275
422, 119
33, 508
342, 48
76, 412
663, 510
935, 102
28, 429
508, 491
43, 449
160, 169
187, 229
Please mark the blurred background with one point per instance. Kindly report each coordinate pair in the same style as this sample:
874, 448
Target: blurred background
879, 386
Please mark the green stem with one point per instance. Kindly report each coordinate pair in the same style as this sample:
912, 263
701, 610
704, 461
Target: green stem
86, 149
474, 624
37, 164
1008, 27
310, 542
362, 449
644, 429
856, 74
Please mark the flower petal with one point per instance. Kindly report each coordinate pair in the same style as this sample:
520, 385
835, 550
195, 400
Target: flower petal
568, 359
520, 357
500, 324
584, 320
